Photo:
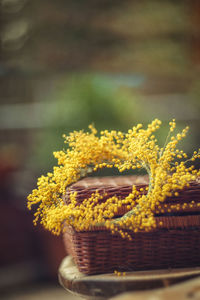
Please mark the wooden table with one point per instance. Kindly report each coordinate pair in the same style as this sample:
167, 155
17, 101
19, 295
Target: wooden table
105, 286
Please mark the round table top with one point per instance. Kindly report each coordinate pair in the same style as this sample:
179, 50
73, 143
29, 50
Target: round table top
104, 286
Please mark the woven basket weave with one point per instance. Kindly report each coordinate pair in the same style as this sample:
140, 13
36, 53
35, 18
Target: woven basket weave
174, 243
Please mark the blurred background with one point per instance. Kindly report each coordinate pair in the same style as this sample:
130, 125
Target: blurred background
63, 65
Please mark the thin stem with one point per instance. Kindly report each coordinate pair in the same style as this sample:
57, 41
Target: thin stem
166, 140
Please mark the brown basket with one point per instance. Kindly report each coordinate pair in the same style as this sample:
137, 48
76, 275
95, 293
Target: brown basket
174, 243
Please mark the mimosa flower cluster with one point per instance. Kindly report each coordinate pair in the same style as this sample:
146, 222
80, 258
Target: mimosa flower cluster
169, 170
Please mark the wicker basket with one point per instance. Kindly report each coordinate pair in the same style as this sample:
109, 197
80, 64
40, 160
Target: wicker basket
174, 243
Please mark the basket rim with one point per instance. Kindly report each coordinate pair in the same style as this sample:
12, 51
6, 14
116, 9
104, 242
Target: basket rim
162, 222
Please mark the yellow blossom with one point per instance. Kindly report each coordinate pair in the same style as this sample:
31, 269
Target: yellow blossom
88, 152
